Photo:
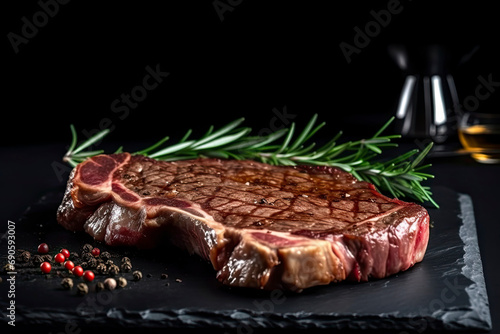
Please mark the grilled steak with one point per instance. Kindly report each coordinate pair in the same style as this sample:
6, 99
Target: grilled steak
260, 226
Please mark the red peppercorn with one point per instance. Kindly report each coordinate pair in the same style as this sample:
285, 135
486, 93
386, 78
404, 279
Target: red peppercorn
43, 248
96, 252
59, 258
65, 252
77, 271
45, 267
88, 275
69, 265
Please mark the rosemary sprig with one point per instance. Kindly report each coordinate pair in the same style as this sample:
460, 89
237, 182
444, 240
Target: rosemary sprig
401, 176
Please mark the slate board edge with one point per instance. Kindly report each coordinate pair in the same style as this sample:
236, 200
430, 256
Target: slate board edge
473, 268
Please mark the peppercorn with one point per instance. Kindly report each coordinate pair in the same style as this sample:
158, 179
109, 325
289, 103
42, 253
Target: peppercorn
88, 275
99, 286
110, 283
37, 259
9, 267
59, 258
87, 256
43, 248
47, 258
69, 265
105, 256
95, 252
92, 263
125, 259
137, 275
77, 271
82, 289
164, 276
67, 283
122, 282
113, 269
87, 248
45, 267
65, 252
25, 256
101, 268
126, 267
108, 262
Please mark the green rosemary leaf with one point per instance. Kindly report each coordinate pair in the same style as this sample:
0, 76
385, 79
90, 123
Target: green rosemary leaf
287, 139
154, 146
97, 137
186, 136
73, 138
374, 148
426, 194
269, 139
313, 131
172, 149
219, 133
422, 155
87, 154
382, 129
222, 140
304, 134
387, 186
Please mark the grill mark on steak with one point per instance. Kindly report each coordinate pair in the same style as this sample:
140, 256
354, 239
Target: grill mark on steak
260, 226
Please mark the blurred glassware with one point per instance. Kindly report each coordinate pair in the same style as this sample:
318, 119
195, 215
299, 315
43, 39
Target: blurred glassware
479, 134
428, 104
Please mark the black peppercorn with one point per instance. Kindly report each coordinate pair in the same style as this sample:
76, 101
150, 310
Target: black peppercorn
137, 275
92, 263
82, 289
67, 283
37, 259
125, 259
9, 267
113, 269
101, 268
126, 267
87, 248
99, 286
25, 256
105, 256
122, 282
87, 256
47, 258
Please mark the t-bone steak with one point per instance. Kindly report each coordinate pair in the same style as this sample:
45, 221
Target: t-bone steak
260, 226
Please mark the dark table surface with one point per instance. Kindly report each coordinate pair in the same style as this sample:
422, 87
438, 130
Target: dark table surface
28, 172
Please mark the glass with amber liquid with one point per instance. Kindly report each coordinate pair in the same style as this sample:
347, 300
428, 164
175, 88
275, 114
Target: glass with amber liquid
480, 135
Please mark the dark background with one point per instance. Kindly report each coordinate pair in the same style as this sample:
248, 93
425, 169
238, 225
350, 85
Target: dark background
260, 56
260, 59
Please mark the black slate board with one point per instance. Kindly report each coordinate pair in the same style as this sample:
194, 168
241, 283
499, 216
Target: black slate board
444, 292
